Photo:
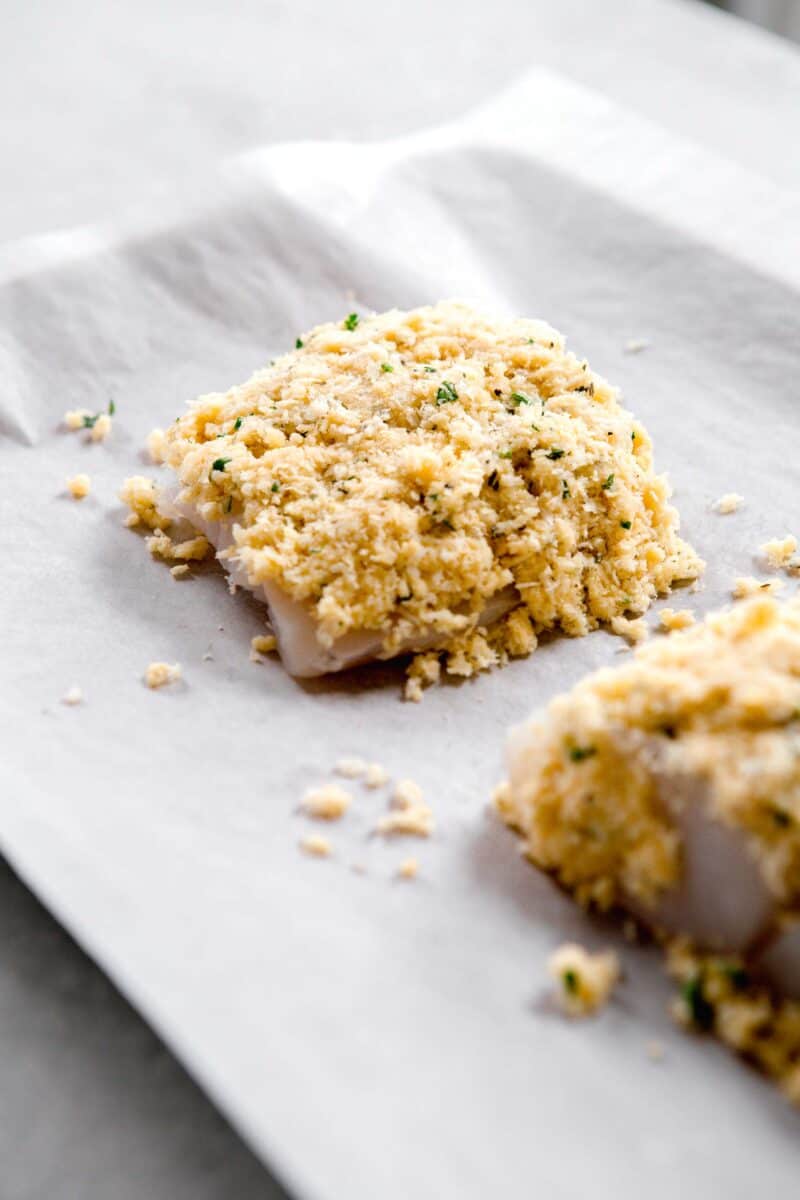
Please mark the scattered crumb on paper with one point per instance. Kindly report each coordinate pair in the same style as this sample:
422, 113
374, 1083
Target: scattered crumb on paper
72, 696
672, 619
375, 775
79, 486
327, 803
584, 981
159, 674
779, 552
406, 794
414, 821
316, 845
634, 630
408, 869
731, 502
746, 586
351, 768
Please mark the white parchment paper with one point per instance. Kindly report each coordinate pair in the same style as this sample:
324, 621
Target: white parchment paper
376, 1038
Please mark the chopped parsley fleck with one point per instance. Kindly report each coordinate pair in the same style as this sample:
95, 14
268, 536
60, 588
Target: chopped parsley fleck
530, 341
570, 979
237, 424
520, 398
565, 492
625, 524
505, 454
276, 487
229, 505
494, 481
554, 455
737, 975
700, 1011
581, 753
430, 370
350, 321
298, 343
387, 367
112, 408
90, 422
446, 393
219, 464
608, 483
633, 435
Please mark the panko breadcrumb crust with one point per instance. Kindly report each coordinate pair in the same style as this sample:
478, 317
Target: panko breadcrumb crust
395, 472
722, 699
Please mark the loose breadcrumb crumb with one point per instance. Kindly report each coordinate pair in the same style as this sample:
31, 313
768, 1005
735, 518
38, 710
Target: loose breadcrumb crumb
779, 551
193, 550
141, 496
636, 345
326, 803
731, 502
425, 669
72, 696
633, 630
408, 869
671, 619
101, 428
746, 586
79, 486
263, 643
351, 768
407, 793
76, 418
157, 445
316, 845
413, 821
585, 981
180, 571
158, 674
375, 775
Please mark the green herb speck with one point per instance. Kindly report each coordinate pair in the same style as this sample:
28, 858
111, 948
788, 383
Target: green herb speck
581, 753
430, 370
700, 1011
520, 398
505, 454
237, 424
446, 393
565, 492
570, 979
276, 487
554, 455
608, 483
350, 321
625, 524
219, 464
298, 343
387, 367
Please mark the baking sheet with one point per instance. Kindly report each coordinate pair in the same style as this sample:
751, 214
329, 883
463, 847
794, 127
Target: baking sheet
373, 1037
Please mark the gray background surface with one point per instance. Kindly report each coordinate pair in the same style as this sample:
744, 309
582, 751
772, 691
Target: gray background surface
95, 106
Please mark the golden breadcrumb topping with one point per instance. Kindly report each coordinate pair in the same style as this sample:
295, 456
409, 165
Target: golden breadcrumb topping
79, 486
159, 674
672, 619
720, 995
180, 571
731, 502
394, 473
327, 803
584, 981
719, 701
408, 869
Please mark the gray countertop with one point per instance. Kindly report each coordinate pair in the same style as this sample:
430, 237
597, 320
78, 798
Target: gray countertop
96, 103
